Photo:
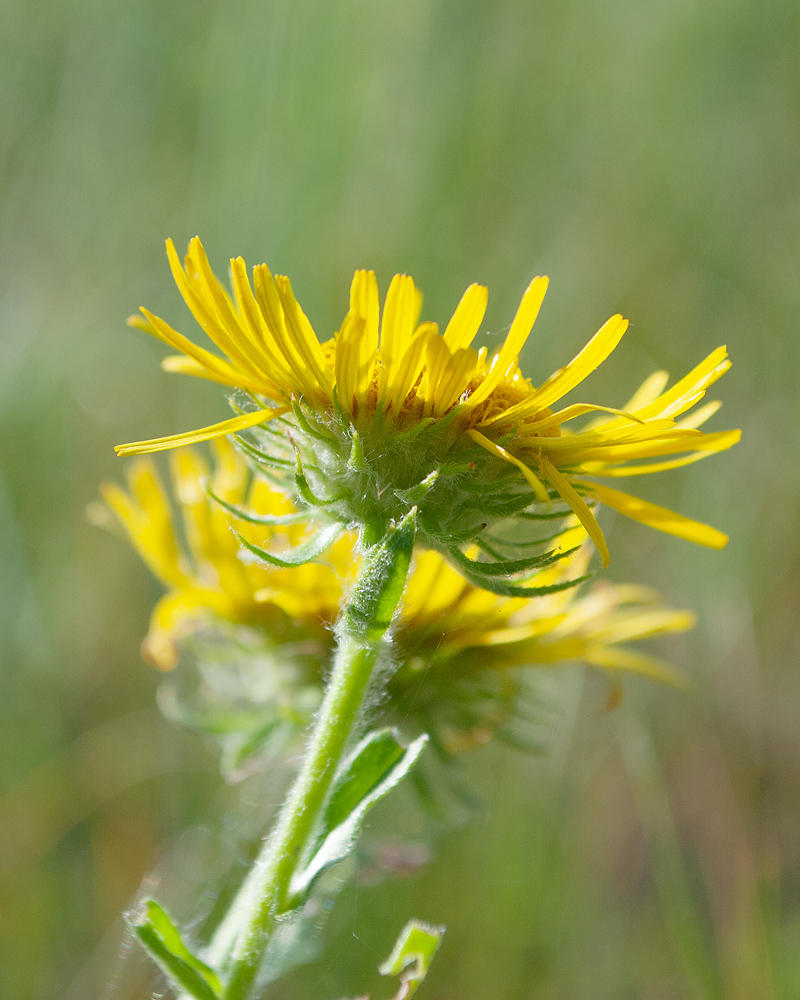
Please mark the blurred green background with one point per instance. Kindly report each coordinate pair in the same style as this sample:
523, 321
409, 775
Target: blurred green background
646, 157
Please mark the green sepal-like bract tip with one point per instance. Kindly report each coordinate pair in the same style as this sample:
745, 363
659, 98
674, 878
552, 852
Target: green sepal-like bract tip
300, 555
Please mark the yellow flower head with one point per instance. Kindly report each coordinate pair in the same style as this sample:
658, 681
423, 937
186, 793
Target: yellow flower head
390, 413
203, 571
455, 643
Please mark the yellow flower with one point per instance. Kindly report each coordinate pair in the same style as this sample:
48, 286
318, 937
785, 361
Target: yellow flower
205, 575
453, 619
447, 626
390, 412
460, 645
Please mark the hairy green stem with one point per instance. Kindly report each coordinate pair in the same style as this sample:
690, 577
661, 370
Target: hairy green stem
266, 890
239, 945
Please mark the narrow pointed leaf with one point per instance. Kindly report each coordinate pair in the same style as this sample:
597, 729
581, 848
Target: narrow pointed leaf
509, 567
272, 461
545, 515
356, 461
300, 555
161, 939
305, 425
375, 767
468, 568
420, 491
305, 491
529, 544
271, 520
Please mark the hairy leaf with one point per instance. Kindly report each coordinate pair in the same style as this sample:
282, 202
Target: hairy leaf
161, 939
374, 768
300, 555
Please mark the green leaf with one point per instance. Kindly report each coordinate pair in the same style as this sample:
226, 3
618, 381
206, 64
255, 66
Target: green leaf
377, 764
242, 745
381, 582
507, 505
404, 437
262, 457
412, 955
305, 491
420, 491
300, 555
344, 423
549, 515
508, 567
467, 534
305, 425
375, 756
468, 568
529, 544
271, 520
356, 461
161, 939
456, 468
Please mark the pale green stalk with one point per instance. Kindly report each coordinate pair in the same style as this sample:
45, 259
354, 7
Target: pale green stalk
241, 941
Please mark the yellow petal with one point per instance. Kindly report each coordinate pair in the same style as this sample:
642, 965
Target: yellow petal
613, 658
723, 441
514, 342
454, 379
223, 370
535, 483
630, 625
203, 310
650, 389
148, 521
668, 443
230, 471
408, 371
579, 508
364, 302
467, 318
172, 617
659, 517
353, 362
397, 327
304, 337
219, 304
433, 587
269, 301
690, 387
699, 417
568, 413
592, 355
203, 434
255, 323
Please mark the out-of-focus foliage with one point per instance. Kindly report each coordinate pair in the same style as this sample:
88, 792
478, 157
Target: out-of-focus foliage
645, 156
